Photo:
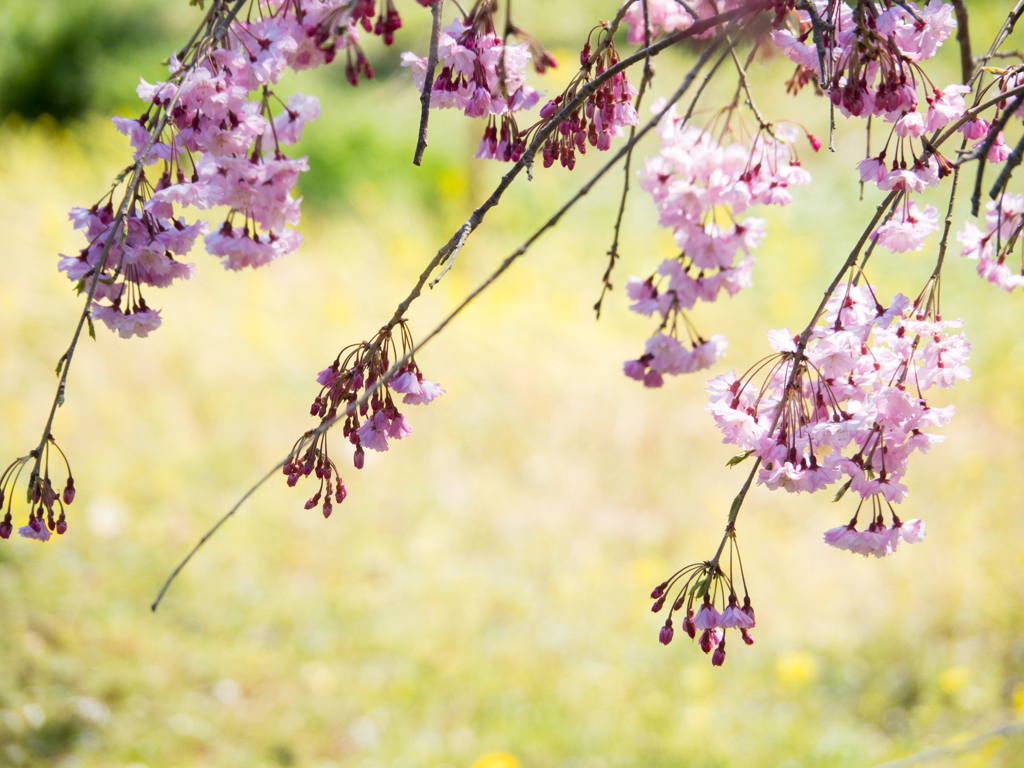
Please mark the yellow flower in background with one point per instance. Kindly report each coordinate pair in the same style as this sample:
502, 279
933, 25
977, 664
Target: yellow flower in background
497, 760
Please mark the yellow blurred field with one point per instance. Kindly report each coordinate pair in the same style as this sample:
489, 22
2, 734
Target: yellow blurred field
480, 599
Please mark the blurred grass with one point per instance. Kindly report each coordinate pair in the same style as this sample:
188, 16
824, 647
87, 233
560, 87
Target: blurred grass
480, 598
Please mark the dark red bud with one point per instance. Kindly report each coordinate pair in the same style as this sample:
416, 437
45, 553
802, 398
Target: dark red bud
665, 636
719, 658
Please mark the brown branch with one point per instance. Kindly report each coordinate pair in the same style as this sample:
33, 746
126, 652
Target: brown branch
428, 80
963, 37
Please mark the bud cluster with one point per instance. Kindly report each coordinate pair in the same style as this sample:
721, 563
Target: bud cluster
708, 583
44, 500
605, 113
352, 388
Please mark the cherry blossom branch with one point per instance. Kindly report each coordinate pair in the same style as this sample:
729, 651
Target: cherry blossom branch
850, 262
797, 356
428, 79
397, 365
137, 174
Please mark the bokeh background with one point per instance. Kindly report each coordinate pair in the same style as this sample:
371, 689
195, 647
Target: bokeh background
481, 597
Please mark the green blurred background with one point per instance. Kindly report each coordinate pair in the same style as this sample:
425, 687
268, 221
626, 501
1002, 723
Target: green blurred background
481, 597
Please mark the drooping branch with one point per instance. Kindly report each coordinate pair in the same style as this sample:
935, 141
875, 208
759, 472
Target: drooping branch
136, 176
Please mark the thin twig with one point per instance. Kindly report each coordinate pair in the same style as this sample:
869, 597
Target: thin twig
1004, 32
613, 252
210, 533
948, 224
428, 79
951, 750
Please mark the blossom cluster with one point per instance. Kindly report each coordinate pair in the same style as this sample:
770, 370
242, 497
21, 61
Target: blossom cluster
44, 499
483, 76
991, 247
352, 385
606, 112
849, 404
708, 583
873, 68
700, 188
872, 56
221, 141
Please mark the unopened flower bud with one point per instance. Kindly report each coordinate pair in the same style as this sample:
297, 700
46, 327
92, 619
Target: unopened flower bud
665, 636
313, 501
359, 458
5, 530
719, 657
62, 526
548, 110
658, 605
745, 633
69, 491
688, 626
328, 508
293, 478
341, 493
659, 590
705, 641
